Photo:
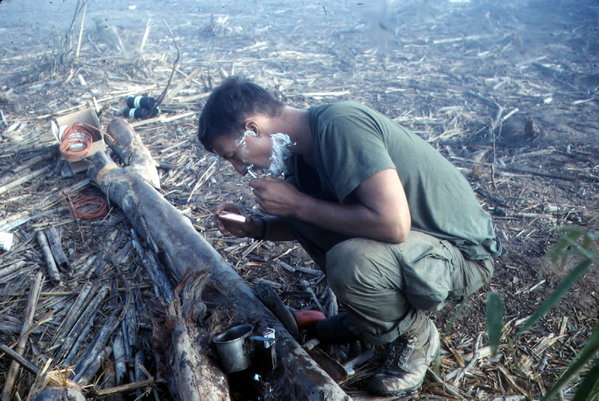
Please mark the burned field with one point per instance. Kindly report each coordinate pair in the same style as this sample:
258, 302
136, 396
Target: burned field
509, 95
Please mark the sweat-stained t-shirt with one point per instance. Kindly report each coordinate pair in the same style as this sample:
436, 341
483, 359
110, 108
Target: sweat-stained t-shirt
352, 142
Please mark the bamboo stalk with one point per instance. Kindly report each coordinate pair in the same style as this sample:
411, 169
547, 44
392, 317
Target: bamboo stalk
56, 246
13, 371
73, 353
20, 359
161, 283
74, 312
81, 31
93, 367
38, 383
52, 269
91, 310
28, 177
125, 388
118, 352
29, 163
14, 223
145, 37
94, 350
11, 269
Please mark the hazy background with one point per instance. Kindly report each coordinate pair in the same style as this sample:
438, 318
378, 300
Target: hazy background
396, 56
531, 23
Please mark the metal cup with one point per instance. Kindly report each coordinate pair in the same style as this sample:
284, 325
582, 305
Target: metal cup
233, 348
236, 346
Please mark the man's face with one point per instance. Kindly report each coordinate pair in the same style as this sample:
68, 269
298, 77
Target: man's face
260, 152
242, 151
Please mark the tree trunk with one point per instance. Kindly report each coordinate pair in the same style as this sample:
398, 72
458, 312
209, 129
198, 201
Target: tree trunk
184, 250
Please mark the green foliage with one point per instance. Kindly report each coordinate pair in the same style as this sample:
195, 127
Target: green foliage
494, 320
561, 290
575, 242
589, 388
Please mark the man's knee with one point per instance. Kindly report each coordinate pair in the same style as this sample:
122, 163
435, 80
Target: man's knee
342, 261
355, 266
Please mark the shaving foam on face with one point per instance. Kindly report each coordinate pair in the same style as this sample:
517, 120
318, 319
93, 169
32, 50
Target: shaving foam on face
280, 153
241, 143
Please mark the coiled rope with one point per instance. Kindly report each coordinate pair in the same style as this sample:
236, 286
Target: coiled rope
84, 206
76, 141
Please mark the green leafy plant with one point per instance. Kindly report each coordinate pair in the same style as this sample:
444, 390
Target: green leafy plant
579, 243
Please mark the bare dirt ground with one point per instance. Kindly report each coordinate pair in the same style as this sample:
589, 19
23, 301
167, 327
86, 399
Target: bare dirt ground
507, 93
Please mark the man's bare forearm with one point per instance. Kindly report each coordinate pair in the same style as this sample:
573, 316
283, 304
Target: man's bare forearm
352, 220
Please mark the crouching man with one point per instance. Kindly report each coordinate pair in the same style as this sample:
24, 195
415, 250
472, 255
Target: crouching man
394, 225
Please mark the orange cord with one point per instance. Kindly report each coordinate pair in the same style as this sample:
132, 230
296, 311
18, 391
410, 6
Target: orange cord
76, 142
84, 206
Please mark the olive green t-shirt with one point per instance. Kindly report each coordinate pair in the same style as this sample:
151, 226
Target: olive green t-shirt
352, 142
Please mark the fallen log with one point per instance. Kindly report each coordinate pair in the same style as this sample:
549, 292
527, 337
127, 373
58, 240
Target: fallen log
180, 355
184, 250
129, 147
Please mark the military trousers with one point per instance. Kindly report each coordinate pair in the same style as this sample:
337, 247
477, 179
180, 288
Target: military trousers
382, 285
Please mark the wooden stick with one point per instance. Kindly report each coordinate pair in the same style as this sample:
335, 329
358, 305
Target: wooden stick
14, 223
450, 389
38, 383
163, 119
357, 361
308, 288
74, 312
13, 268
13, 371
29, 163
205, 177
52, 269
81, 30
163, 94
125, 388
473, 360
182, 85
73, 353
74, 213
118, 353
28, 177
159, 279
91, 310
1, 112
94, 367
56, 246
93, 353
145, 37
66, 46
333, 307
20, 359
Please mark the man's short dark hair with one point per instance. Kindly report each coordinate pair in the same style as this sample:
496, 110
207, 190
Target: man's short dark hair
230, 104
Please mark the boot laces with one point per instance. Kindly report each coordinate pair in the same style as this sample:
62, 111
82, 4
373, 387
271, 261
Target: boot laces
400, 351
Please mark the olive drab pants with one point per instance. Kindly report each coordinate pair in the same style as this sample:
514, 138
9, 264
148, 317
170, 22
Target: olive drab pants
382, 285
